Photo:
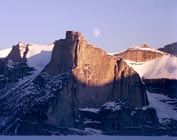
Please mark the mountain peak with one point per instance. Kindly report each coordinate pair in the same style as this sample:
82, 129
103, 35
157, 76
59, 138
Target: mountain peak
170, 48
17, 52
142, 47
140, 53
72, 35
20, 44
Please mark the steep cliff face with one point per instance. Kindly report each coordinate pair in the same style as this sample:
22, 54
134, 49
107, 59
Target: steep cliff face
128, 85
14, 66
162, 86
98, 77
159, 75
18, 52
139, 54
64, 56
170, 48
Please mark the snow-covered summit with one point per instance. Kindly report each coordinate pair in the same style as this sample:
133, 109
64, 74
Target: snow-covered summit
4, 52
139, 54
162, 67
140, 48
145, 48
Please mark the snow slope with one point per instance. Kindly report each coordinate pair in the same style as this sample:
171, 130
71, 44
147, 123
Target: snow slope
5, 52
35, 49
163, 67
164, 106
39, 56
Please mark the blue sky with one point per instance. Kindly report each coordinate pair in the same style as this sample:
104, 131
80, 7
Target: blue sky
119, 24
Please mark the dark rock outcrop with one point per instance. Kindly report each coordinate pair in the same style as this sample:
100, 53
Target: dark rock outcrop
118, 118
170, 48
162, 86
14, 66
128, 85
139, 54
17, 53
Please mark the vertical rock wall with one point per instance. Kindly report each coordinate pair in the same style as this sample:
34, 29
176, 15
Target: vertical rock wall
98, 76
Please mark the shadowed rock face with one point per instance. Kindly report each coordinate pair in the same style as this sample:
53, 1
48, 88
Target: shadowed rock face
162, 86
170, 48
17, 53
139, 55
14, 65
128, 86
98, 77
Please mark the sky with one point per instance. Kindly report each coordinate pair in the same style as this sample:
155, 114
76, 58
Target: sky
113, 25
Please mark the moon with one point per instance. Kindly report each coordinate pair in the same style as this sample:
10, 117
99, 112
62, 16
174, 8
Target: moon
96, 32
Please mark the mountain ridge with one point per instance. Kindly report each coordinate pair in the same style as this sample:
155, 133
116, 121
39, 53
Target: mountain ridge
76, 79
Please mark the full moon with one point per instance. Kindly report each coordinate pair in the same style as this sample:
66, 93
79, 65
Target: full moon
96, 32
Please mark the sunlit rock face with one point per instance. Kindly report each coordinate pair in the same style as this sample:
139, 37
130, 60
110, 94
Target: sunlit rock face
97, 76
139, 54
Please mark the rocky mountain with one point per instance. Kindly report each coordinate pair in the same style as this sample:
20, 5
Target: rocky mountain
170, 48
139, 53
21, 60
72, 87
160, 80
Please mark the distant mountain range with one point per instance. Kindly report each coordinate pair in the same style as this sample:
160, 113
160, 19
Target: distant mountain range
71, 87
170, 48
